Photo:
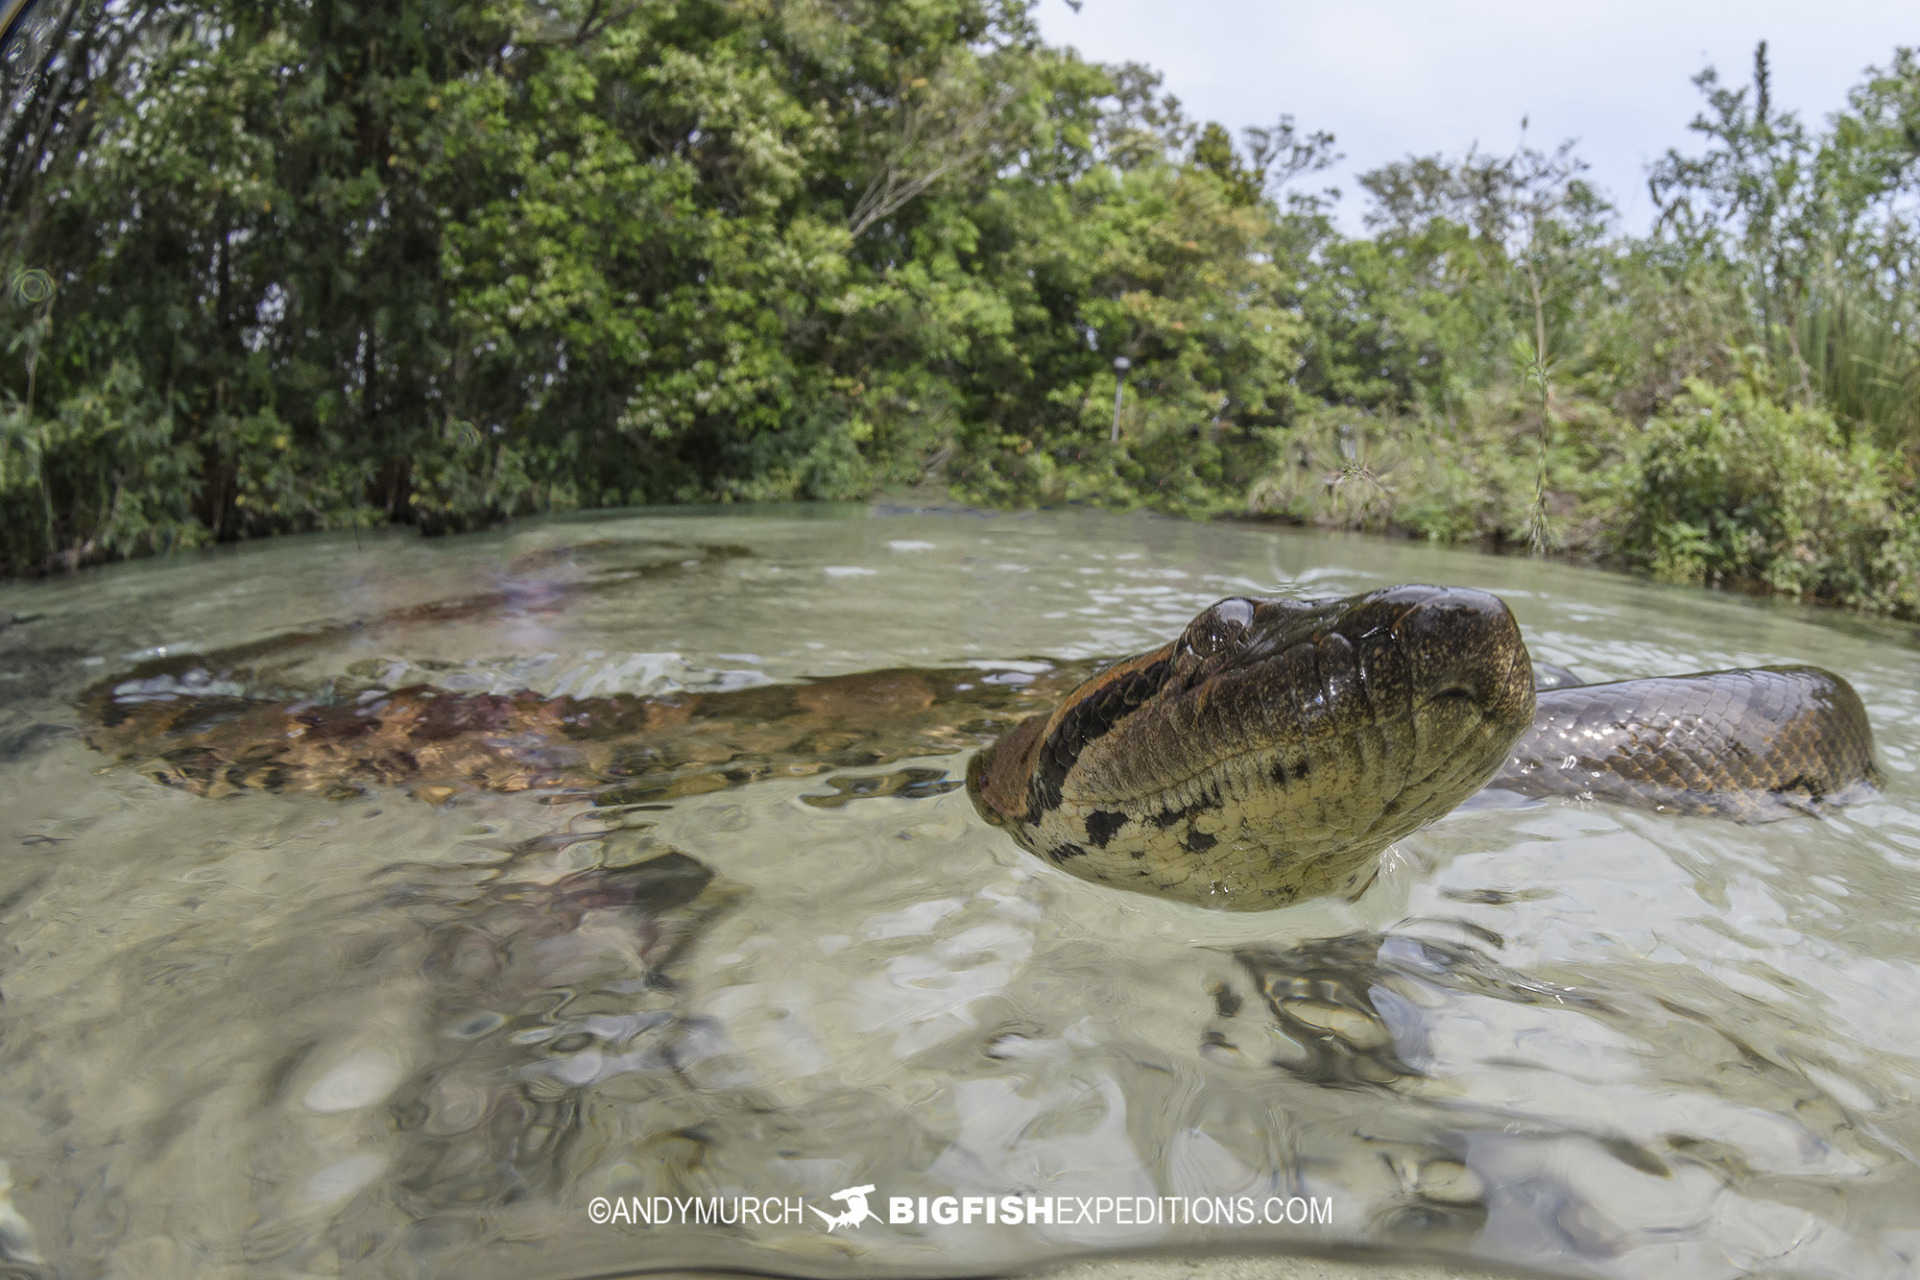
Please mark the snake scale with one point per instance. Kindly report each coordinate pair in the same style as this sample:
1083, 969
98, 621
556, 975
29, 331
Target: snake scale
1267, 754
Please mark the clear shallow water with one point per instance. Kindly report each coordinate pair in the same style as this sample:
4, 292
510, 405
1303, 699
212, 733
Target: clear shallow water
281, 1034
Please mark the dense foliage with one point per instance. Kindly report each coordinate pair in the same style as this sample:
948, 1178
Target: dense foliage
292, 264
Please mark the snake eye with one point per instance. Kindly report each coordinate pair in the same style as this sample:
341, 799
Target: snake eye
1218, 629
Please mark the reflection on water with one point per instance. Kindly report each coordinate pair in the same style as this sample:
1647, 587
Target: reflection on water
401, 1026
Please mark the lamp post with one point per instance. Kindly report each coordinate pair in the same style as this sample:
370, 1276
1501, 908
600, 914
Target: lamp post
1120, 366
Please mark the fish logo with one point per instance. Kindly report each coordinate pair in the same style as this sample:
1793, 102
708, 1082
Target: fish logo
858, 1211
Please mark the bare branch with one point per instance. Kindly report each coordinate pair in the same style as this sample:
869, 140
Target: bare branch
896, 185
949, 128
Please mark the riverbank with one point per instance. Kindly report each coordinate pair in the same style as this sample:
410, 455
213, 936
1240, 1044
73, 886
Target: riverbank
1724, 487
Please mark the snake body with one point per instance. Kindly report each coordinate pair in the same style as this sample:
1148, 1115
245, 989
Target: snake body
1752, 745
1267, 754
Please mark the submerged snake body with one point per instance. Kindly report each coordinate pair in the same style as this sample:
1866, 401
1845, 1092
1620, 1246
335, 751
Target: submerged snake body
1268, 754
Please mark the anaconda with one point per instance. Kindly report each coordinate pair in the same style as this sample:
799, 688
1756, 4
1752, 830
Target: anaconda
1267, 754
1276, 747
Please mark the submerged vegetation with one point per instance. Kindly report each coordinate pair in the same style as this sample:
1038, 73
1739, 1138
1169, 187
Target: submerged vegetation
312, 264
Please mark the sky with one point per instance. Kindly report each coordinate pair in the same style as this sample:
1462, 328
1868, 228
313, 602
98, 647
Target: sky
1391, 78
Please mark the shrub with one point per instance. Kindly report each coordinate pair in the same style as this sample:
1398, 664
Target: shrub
1727, 485
100, 477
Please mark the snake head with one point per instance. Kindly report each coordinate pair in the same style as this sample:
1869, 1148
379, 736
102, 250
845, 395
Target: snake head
1270, 751
1450, 659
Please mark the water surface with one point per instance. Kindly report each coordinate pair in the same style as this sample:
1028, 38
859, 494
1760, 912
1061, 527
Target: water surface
285, 1034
